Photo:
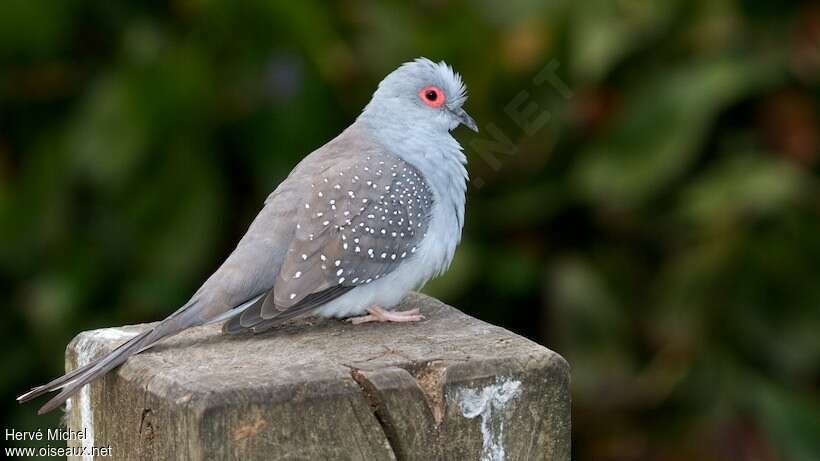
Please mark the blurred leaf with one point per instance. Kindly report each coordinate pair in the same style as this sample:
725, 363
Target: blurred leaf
592, 328
588, 305
660, 130
30, 28
603, 31
742, 185
109, 134
516, 273
792, 420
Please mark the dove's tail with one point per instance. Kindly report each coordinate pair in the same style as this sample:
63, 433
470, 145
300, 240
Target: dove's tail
72, 381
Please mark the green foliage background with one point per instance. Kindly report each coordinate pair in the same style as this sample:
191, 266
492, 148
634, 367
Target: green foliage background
661, 230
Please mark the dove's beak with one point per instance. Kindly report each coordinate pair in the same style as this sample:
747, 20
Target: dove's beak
465, 119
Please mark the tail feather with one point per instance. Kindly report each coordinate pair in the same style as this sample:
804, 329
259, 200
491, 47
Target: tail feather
71, 385
189, 315
56, 384
236, 310
72, 381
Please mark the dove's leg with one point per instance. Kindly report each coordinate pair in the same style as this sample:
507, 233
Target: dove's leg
379, 314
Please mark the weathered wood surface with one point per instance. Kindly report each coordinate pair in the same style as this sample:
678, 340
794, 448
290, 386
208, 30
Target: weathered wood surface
450, 387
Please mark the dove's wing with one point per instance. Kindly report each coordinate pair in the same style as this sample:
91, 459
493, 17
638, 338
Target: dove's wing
364, 214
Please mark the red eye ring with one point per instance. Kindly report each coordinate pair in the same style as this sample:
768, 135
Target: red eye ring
433, 96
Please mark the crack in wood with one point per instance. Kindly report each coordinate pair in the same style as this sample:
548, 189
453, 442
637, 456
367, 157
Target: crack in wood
430, 376
371, 394
146, 429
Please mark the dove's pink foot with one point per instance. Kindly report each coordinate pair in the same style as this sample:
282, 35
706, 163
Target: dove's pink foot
378, 314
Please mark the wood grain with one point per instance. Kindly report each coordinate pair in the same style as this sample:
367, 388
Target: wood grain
450, 387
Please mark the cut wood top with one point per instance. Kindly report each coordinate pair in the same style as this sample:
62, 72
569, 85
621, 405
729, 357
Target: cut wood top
448, 387
204, 361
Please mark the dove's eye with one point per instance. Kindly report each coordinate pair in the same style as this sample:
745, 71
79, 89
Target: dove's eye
432, 96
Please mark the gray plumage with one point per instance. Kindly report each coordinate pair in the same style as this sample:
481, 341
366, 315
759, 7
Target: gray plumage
359, 222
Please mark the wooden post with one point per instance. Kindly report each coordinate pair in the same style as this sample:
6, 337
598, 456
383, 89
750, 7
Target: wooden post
450, 387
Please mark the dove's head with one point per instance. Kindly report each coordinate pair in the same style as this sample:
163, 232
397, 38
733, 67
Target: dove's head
421, 95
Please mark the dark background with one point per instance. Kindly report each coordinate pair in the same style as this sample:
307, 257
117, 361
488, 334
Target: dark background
657, 223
